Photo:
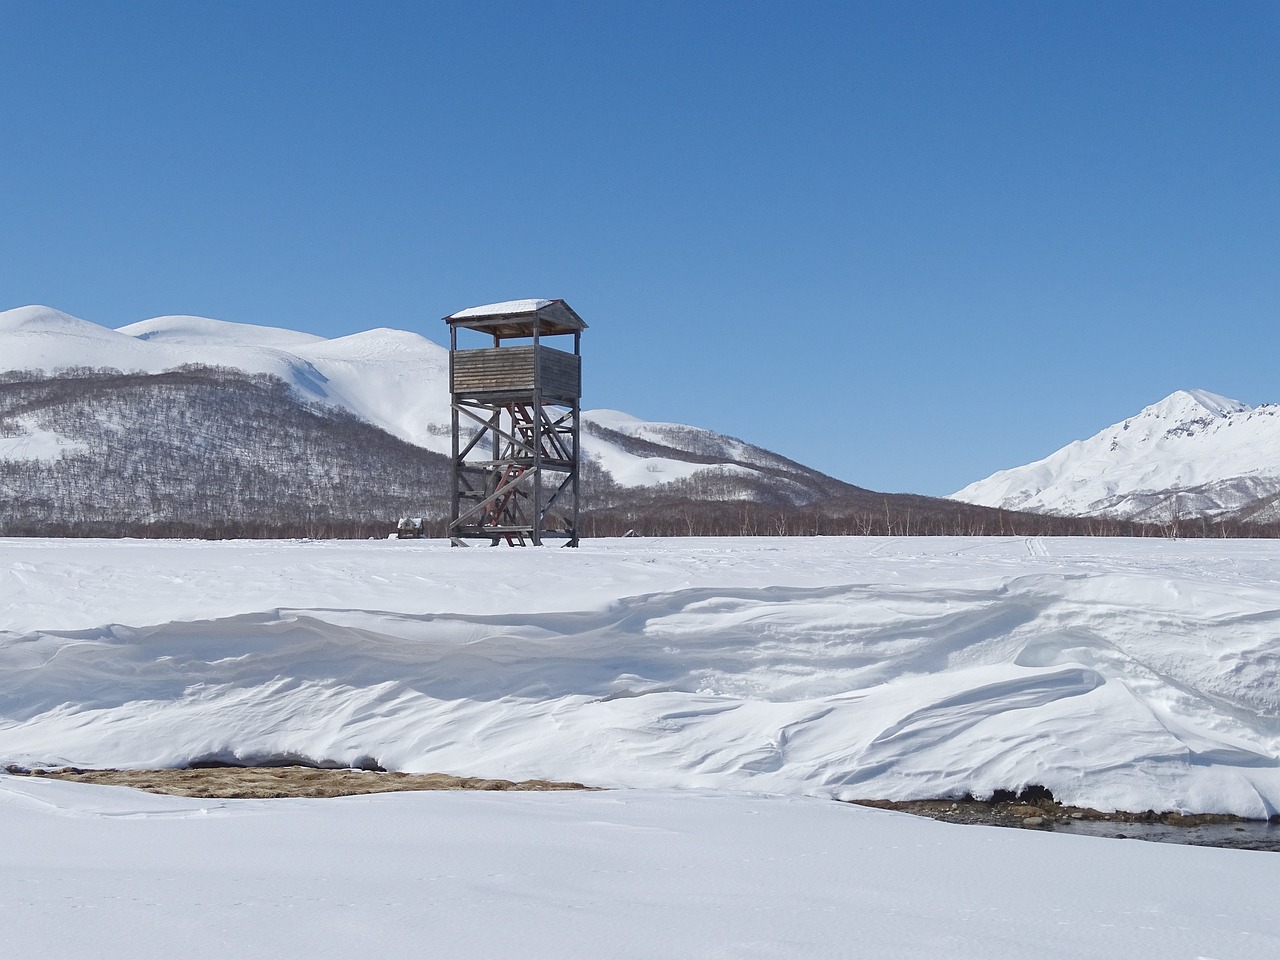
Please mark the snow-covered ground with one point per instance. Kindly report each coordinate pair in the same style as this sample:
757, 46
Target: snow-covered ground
1118, 673
727, 688
113, 874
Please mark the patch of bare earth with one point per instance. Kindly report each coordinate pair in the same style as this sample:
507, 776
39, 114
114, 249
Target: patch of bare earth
253, 783
1035, 808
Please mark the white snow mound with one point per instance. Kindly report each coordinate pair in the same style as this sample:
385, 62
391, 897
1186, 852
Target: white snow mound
1119, 674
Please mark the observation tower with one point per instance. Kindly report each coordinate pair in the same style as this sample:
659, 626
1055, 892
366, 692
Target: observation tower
516, 404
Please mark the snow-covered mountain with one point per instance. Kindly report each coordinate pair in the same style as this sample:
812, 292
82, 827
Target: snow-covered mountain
1194, 454
391, 378
394, 379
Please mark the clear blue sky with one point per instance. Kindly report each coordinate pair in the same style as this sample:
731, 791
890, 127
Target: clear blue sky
907, 243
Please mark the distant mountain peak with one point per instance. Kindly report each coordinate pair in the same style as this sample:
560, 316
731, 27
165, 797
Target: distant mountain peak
1194, 404
1194, 453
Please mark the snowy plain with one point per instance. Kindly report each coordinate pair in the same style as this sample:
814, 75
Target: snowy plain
114, 874
726, 690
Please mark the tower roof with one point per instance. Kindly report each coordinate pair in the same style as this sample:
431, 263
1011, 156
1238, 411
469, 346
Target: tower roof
519, 318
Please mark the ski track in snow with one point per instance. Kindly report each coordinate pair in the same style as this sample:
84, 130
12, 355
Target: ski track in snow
1120, 674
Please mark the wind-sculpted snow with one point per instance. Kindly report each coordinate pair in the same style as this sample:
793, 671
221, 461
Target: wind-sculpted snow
1120, 674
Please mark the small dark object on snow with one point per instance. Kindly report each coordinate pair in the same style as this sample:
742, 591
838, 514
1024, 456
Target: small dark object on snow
410, 528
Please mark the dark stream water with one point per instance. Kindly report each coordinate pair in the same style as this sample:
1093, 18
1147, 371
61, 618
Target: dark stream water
1251, 835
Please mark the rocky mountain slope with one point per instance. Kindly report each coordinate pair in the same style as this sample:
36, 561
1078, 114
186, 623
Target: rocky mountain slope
1192, 455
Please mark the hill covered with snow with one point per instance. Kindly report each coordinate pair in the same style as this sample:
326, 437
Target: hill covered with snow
395, 380
1193, 454
197, 451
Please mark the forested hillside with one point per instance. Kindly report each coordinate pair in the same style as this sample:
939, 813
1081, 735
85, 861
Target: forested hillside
200, 451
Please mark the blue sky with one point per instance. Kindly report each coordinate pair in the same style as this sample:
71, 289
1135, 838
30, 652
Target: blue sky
907, 243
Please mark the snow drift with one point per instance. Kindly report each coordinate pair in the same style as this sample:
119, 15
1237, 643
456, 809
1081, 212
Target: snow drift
1120, 674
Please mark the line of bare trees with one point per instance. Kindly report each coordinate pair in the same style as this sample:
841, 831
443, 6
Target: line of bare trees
702, 519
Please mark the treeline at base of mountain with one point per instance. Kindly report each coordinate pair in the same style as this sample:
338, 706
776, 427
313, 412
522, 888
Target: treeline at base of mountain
216, 453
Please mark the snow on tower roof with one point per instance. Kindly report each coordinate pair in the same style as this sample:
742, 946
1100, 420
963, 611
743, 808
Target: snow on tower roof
519, 318
503, 309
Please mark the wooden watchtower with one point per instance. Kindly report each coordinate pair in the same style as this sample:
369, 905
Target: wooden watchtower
516, 409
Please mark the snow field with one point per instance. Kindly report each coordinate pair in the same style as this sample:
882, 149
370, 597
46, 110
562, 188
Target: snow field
1130, 673
119, 875
1120, 674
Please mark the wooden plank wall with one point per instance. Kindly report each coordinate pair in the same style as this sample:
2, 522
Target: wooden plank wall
512, 369
560, 373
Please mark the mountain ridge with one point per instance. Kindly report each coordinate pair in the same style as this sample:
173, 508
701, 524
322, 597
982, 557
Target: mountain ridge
1192, 454
396, 380
393, 380
665, 477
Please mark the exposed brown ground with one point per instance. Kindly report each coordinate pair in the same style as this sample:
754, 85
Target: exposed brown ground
1040, 813
271, 782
